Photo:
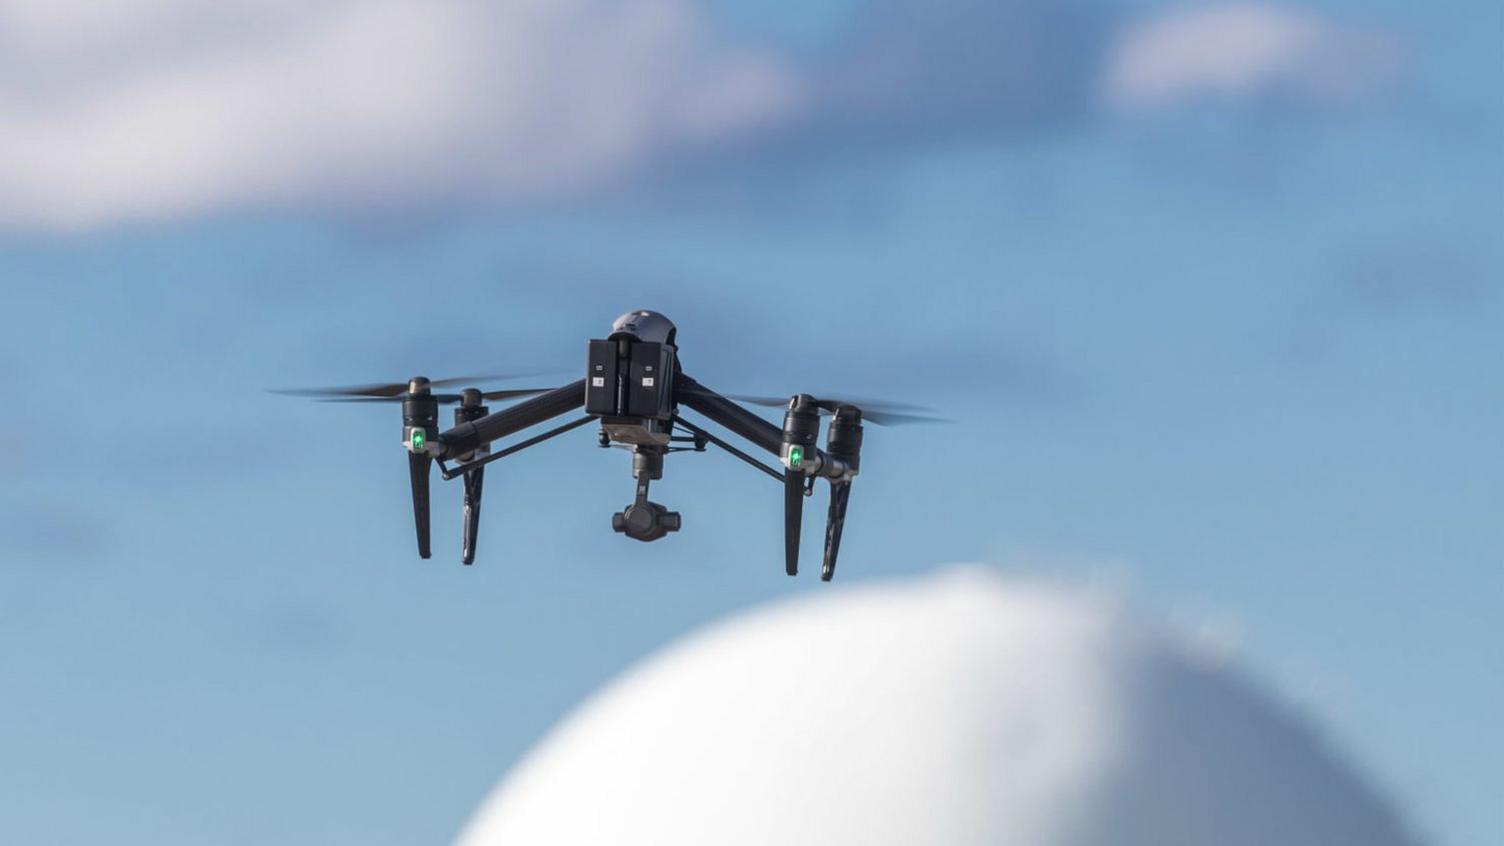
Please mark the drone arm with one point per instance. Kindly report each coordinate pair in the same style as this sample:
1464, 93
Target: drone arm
727, 413
710, 438
467, 437
451, 473
753, 428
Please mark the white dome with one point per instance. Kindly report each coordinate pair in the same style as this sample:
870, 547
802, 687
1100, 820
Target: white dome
958, 709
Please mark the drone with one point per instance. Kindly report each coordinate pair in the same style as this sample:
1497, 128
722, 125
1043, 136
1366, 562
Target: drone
634, 387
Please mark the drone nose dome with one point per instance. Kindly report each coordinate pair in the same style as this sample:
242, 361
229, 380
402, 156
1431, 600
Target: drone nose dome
648, 326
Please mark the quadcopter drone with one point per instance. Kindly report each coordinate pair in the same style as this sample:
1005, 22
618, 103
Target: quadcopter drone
634, 387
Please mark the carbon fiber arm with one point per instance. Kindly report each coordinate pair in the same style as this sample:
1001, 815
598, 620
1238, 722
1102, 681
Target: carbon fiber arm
467, 437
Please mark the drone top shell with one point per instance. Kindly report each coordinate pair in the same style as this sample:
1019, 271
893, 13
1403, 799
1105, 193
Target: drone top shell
649, 326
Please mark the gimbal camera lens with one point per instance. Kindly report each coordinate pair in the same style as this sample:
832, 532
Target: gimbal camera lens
645, 521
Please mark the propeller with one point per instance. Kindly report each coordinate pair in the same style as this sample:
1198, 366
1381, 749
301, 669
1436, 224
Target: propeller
396, 391
511, 393
881, 412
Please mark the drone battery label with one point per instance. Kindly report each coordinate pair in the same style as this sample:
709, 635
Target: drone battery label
600, 391
649, 392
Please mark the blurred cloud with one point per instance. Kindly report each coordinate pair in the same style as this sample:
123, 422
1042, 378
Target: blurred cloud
964, 708
167, 107
927, 70
156, 109
1246, 51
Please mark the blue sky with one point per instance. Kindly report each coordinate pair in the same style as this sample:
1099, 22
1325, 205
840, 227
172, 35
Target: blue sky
1239, 355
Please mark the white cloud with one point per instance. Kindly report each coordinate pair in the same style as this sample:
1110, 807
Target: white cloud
152, 109
158, 108
1244, 51
960, 709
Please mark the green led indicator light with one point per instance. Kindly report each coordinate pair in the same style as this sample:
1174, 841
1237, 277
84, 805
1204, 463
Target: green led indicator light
796, 456
419, 439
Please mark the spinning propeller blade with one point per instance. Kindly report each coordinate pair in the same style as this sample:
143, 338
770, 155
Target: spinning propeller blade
881, 412
510, 393
395, 390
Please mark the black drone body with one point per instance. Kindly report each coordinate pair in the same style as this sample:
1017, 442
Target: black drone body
634, 387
